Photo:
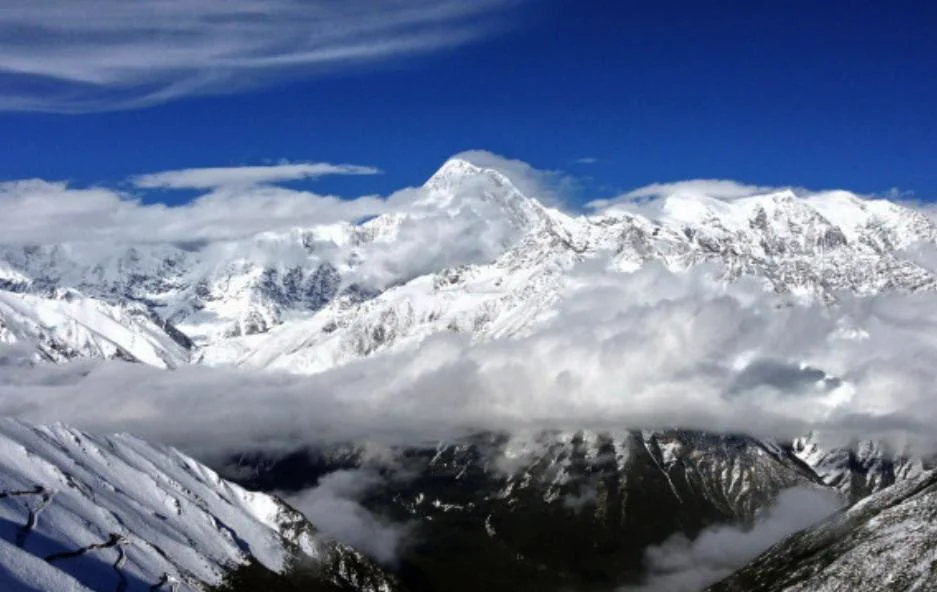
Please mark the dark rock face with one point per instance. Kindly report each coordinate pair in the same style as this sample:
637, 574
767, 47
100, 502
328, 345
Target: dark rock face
294, 288
556, 512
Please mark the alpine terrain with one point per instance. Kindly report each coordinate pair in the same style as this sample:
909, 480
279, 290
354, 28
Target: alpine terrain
469, 253
80, 512
314, 298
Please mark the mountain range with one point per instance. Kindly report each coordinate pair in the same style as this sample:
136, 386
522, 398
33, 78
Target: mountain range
469, 252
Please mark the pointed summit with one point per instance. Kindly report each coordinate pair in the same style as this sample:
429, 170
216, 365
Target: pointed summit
461, 187
460, 176
451, 173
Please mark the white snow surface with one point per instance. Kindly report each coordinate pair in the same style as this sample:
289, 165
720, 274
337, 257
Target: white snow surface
161, 517
66, 324
23, 572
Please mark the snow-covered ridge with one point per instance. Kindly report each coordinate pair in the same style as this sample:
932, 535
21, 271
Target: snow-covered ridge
117, 513
468, 252
780, 238
863, 468
884, 542
65, 325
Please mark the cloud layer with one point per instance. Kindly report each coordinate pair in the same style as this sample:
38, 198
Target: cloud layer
39, 212
240, 201
649, 349
550, 187
86, 55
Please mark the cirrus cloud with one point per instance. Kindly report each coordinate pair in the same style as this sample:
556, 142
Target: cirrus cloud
245, 176
90, 55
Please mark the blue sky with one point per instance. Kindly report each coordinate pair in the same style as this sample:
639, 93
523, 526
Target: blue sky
814, 94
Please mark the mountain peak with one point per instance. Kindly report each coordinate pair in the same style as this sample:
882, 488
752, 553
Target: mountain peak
454, 167
461, 186
456, 171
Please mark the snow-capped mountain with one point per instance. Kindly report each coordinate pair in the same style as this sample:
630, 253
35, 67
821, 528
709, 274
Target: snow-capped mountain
860, 469
469, 252
83, 512
786, 241
214, 291
884, 542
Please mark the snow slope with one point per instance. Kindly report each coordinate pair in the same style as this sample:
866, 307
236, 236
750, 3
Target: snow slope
116, 513
23, 572
67, 325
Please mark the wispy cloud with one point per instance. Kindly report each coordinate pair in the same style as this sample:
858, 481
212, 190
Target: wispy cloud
714, 188
245, 176
86, 55
334, 507
649, 199
896, 193
587, 160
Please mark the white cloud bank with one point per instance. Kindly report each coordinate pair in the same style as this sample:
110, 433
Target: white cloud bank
35, 211
240, 201
648, 199
649, 349
87, 55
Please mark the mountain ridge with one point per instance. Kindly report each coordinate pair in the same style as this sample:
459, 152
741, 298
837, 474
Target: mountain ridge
234, 299
114, 512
